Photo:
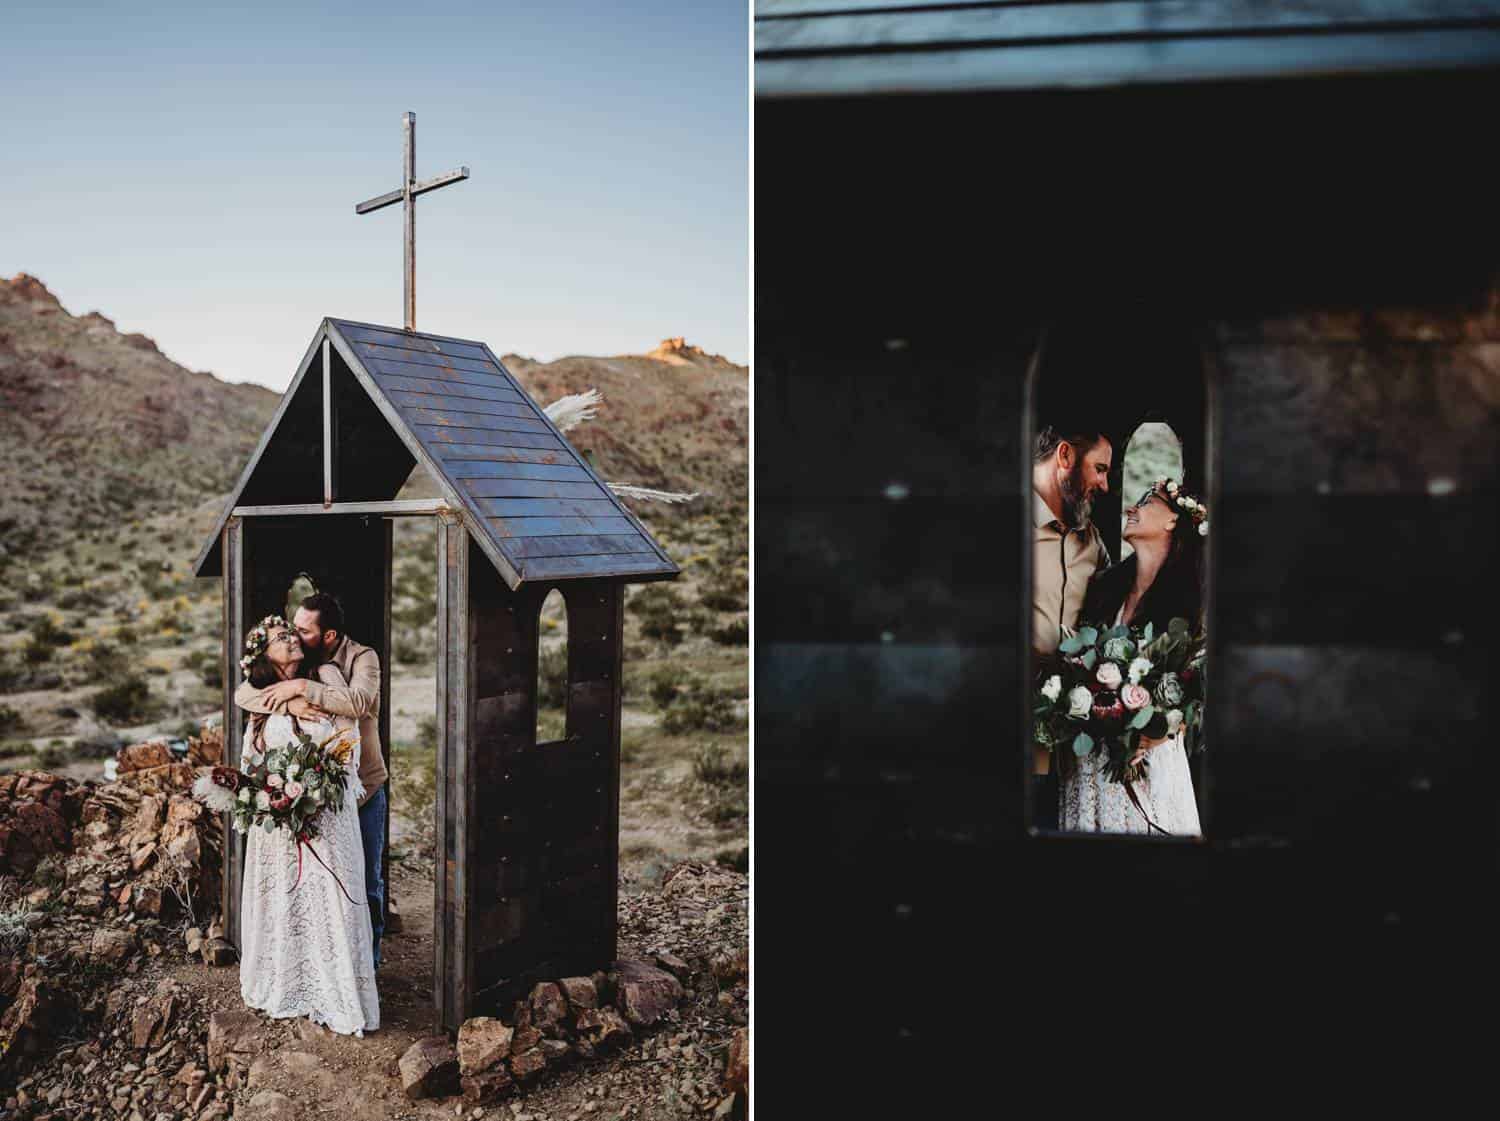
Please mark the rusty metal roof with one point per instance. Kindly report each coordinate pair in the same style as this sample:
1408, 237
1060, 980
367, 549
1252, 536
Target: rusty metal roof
529, 498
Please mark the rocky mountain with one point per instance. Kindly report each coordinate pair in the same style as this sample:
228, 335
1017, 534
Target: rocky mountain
98, 428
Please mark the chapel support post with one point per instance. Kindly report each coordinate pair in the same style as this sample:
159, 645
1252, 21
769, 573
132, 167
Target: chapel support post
450, 964
233, 585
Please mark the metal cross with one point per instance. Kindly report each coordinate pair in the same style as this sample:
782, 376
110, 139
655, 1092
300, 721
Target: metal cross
407, 194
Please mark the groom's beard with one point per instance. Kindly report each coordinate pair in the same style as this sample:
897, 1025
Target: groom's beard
1077, 502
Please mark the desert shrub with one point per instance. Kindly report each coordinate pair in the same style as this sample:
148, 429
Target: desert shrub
700, 706
12, 748
46, 632
97, 745
10, 720
714, 766
86, 599
661, 686
734, 633
728, 782
105, 661
726, 589
658, 607
11, 675
51, 757
34, 653
124, 702
409, 649
552, 677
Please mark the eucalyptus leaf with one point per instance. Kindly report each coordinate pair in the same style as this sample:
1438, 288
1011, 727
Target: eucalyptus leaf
1090, 635
1070, 645
1083, 743
1143, 717
1090, 656
1148, 634
1178, 626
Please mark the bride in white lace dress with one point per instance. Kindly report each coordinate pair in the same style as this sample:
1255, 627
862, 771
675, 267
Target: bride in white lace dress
306, 951
1161, 580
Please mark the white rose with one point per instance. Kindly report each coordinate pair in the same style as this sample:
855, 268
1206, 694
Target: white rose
1203, 529
262, 801
274, 780
1053, 687
245, 794
292, 769
1174, 721
1080, 700
1108, 675
1139, 669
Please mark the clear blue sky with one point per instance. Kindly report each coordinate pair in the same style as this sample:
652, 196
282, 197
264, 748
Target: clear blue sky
191, 172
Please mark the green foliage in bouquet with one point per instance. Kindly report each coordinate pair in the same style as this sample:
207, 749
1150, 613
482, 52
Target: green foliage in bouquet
287, 788
1109, 686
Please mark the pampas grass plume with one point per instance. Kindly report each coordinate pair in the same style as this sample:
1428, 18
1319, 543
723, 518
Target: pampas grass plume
211, 794
572, 410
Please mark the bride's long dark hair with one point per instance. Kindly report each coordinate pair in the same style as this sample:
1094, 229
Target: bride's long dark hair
1177, 591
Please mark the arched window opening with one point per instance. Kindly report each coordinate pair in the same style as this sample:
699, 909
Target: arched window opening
300, 589
552, 669
1153, 452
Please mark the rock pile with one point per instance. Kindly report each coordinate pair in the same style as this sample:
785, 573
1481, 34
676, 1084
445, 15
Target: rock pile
93, 880
148, 1060
558, 1023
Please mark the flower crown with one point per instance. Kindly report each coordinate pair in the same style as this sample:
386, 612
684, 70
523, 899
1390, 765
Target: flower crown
259, 639
1184, 502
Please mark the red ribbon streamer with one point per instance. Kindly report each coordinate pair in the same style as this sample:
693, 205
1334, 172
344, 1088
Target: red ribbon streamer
302, 840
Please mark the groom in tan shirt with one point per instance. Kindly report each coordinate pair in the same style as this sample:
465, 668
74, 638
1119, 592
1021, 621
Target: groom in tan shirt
1067, 471
319, 623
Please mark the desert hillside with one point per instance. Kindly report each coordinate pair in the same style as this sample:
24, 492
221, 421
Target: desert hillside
114, 461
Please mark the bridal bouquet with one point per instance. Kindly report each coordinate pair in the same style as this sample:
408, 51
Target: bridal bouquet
287, 788
1112, 685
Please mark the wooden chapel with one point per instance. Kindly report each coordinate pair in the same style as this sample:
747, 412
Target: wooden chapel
527, 832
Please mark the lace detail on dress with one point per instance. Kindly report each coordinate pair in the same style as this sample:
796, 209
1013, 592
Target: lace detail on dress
1167, 789
309, 952
1091, 803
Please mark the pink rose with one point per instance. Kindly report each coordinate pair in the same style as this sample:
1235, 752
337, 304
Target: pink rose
273, 780
294, 790
1135, 697
1108, 675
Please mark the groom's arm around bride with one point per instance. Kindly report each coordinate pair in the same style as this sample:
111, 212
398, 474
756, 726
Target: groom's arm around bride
319, 624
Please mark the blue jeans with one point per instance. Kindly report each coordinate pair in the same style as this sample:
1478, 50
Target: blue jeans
372, 833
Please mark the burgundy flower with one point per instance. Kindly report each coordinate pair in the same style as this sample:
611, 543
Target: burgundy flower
227, 777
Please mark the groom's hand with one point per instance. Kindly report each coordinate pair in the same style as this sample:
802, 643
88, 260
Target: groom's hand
305, 709
284, 691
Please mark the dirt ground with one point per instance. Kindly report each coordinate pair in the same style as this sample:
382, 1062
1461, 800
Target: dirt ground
669, 1071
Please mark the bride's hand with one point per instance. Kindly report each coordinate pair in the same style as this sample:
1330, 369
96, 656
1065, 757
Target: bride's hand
304, 709
1144, 746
